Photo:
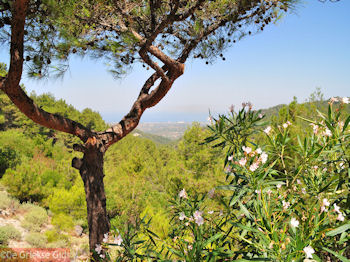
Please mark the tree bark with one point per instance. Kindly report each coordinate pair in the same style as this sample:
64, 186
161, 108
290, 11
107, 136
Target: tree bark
91, 171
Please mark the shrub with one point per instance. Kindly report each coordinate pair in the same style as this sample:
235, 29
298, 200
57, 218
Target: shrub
36, 239
63, 222
8, 159
12, 232
3, 237
35, 218
9, 232
54, 235
4, 200
57, 244
7, 201
69, 201
24, 182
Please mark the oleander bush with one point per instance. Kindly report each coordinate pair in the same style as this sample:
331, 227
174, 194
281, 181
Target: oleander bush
286, 197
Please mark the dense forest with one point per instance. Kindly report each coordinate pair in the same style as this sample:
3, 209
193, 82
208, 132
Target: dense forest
143, 172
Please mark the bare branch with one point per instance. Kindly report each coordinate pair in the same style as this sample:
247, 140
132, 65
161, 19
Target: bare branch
151, 80
167, 60
152, 64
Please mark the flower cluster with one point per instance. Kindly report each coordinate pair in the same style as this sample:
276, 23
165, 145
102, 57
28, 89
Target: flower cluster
260, 158
343, 100
118, 240
267, 130
315, 128
324, 208
197, 215
183, 194
197, 218
340, 214
325, 204
249, 105
287, 124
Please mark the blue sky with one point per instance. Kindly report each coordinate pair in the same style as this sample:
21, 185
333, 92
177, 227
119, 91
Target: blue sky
306, 49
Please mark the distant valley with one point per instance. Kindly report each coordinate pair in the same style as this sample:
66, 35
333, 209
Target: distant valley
169, 130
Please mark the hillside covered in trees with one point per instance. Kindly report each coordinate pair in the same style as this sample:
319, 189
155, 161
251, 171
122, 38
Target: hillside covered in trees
142, 174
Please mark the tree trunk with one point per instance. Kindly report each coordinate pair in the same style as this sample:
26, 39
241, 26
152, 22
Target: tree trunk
91, 171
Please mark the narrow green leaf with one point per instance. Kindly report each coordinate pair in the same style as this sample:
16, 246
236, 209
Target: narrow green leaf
342, 258
346, 123
212, 239
338, 230
244, 210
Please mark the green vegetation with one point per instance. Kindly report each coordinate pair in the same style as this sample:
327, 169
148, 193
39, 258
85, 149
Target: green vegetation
7, 201
8, 232
35, 218
286, 195
142, 175
36, 239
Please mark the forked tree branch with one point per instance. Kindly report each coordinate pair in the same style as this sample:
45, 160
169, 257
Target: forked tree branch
10, 84
144, 101
151, 63
168, 73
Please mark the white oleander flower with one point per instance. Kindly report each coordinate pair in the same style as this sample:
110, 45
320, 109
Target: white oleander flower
308, 251
118, 240
327, 132
98, 248
340, 217
294, 222
333, 99
182, 216
183, 194
336, 208
242, 162
254, 166
247, 149
197, 215
263, 157
105, 238
267, 130
285, 204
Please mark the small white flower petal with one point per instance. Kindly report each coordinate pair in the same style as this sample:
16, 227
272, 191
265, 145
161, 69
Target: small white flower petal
308, 251
183, 194
118, 240
294, 222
